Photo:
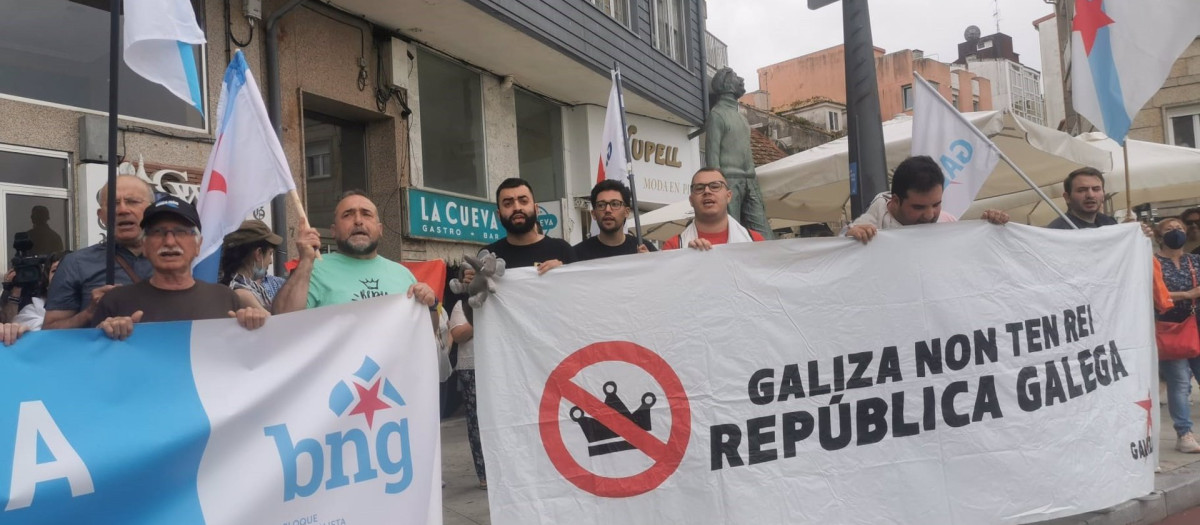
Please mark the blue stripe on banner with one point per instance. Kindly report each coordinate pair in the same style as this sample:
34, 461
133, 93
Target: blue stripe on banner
235, 78
122, 417
207, 269
193, 74
1108, 87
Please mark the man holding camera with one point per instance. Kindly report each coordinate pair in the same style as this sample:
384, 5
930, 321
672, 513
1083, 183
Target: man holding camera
80, 281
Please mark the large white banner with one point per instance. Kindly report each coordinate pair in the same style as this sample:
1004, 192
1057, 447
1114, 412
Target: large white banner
951, 373
321, 417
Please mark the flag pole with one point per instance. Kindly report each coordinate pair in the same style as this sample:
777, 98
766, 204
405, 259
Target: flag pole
1000, 152
114, 70
1129, 215
637, 217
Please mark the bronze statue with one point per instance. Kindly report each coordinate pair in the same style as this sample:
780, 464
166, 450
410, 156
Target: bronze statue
727, 147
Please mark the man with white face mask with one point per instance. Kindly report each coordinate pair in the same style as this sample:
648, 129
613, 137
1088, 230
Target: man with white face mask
246, 254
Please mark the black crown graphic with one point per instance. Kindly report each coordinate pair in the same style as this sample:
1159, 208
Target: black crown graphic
371, 284
602, 440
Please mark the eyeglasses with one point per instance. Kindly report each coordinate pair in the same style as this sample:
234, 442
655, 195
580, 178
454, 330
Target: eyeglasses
159, 232
613, 205
713, 186
1195, 222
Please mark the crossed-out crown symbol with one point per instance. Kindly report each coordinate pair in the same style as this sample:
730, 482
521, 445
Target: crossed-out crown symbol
601, 439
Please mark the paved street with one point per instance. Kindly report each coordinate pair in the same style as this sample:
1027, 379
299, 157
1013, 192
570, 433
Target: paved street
463, 503
1177, 485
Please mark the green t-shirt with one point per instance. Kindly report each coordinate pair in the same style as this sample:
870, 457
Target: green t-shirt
338, 279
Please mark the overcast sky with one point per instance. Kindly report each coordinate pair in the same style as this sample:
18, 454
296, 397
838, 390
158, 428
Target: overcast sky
762, 32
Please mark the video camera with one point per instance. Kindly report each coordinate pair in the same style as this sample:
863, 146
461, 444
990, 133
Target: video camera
29, 268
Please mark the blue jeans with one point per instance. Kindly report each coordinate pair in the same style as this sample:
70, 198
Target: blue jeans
1179, 385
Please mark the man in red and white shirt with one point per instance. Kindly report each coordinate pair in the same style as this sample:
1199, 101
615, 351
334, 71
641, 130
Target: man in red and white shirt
710, 197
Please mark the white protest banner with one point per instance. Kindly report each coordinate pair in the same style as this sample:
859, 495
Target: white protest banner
950, 373
321, 417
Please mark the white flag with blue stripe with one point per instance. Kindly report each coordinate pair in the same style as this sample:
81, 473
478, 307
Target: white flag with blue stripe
1121, 52
310, 419
159, 35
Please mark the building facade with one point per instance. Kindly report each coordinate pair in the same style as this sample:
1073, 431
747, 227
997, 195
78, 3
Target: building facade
1014, 85
382, 95
797, 84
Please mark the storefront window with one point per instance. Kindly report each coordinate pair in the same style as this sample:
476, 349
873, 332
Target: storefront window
33, 196
452, 144
539, 145
56, 51
334, 161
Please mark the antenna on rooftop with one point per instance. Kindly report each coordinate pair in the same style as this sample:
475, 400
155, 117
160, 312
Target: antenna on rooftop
996, 13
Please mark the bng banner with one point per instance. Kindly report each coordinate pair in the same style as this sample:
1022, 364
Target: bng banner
326, 416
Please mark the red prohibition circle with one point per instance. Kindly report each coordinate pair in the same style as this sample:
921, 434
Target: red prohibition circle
666, 456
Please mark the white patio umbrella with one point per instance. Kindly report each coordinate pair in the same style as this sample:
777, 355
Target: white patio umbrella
1160, 172
813, 185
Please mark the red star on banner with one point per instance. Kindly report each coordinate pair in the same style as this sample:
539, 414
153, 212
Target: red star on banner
369, 402
1146, 404
1089, 18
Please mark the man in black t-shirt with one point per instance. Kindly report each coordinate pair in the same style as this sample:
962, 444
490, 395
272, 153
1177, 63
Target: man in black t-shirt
524, 246
610, 208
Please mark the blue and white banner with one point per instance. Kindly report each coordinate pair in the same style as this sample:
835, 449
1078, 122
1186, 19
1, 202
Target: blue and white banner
325, 416
1121, 52
159, 35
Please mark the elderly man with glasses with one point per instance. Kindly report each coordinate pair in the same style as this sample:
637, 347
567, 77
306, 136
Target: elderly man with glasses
171, 231
610, 208
79, 282
710, 197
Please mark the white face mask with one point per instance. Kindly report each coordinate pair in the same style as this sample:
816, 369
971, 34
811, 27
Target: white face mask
260, 267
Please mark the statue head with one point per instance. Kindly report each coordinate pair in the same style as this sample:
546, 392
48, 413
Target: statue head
725, 81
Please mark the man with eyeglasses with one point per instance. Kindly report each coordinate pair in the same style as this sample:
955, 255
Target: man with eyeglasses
171, 229
610, 208
79, 283
710, 197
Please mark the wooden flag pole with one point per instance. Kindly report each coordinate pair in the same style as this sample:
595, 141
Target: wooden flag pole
294, 197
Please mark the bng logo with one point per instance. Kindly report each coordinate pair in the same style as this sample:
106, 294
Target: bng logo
360, 401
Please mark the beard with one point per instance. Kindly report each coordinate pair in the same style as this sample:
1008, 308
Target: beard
346, 247
617, 226
519, 229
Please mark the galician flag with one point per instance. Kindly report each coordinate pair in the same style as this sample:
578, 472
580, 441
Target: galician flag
966, 155
246, 168
612, 153
159, 35
1122, 51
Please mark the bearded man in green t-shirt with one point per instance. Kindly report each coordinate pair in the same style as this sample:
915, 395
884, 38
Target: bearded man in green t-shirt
356, 272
